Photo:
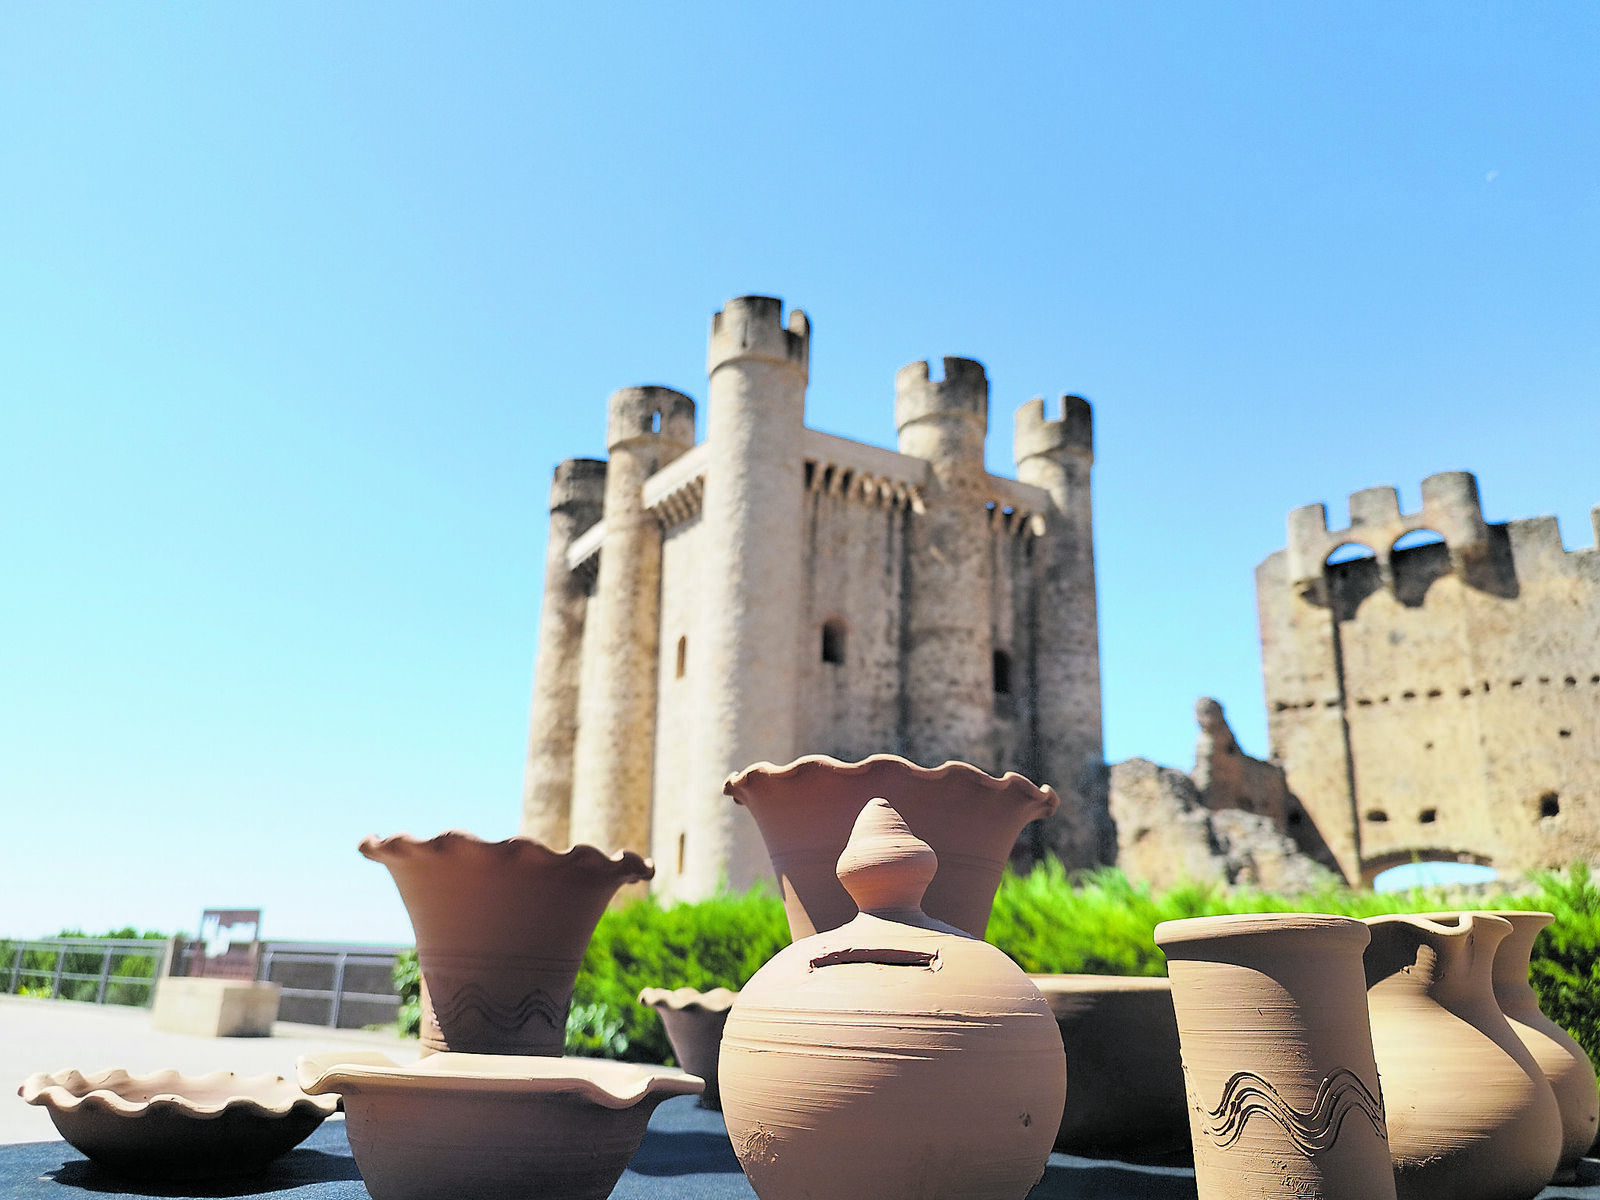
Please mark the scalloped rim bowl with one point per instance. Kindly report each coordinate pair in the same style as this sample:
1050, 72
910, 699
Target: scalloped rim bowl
694, 1022
167, 1125
490, 1126
632, 866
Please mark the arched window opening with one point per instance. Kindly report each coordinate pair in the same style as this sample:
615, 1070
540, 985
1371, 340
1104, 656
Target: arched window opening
833, 642
655, 422
1414, 538
1002, 673
1349, 552
683, 657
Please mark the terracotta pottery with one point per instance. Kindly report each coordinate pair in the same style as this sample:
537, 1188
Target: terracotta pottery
1471, 1116
694, 1022
1121, 1036
894, 1058
1277, 1057
805, 812
173, 1127
501, 930
1563, 1061
493, 1126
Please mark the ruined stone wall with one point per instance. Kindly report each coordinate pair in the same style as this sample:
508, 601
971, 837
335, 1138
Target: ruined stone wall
1441, 700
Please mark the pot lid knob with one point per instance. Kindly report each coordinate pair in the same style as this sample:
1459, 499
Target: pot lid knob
885, 867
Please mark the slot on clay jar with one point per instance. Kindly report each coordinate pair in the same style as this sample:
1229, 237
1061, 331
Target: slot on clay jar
882, 958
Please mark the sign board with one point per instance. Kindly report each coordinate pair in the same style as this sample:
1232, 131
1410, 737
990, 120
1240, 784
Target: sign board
229, 945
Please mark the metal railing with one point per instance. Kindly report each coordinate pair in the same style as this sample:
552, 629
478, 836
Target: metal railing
91, 961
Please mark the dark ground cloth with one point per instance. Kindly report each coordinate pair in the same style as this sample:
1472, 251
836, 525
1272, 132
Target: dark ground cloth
684, 1156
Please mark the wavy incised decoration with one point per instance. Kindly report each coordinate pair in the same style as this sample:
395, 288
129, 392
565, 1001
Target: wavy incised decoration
1246, 1095
473, 999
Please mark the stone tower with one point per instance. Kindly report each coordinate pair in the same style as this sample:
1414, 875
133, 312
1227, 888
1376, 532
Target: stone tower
1437, 696
776, 591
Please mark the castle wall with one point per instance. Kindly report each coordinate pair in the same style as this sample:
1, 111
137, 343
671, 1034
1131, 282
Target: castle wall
1441, 700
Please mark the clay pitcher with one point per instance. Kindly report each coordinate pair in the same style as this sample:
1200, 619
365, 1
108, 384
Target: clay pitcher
1563, 1061
501, 930
1470, 1113
805, 812
893, 1058
1277, 1057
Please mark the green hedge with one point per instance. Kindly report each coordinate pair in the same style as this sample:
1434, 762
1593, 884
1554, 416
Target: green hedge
1050, 922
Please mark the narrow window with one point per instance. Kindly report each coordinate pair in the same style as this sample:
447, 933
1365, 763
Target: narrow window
683, 657
655, 422
1549, 805
833, 642
1377, 816
1002, 673
1428, 816
681, 839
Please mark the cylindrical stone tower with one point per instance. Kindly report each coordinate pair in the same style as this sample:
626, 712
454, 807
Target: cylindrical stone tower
647, 428
576, 497
1056, 454
949, 638
753, 577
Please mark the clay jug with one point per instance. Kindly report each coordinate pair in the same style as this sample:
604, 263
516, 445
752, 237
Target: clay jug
1470, 1113
501, 930
893, 1058
1563, 1061
805, 812
1277, 1057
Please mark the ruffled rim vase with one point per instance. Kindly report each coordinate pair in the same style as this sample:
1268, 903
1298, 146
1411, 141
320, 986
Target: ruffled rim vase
694, 1022
1563, 1061
806, 810
1471, 1115
1277, 1056
501, 930
490, 1126
1126, 1100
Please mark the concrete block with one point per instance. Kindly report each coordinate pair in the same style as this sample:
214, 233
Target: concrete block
215, 1007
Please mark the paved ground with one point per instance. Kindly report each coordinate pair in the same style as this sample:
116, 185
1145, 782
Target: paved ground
48, 1035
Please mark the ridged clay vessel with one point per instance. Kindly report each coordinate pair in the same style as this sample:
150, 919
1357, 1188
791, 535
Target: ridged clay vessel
893, 1058
1563, 1061
806, 810
1471, 1115
167, 1126
501, 930
493, 1126
1277, 1057
694, 1022
1121, 1037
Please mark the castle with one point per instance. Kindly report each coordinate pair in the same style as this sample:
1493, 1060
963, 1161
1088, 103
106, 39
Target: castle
1439, 695
776, 591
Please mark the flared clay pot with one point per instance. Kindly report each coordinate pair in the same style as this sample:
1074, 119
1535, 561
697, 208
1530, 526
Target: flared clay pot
1126, 1098
893, 1058
1563, 1061
694, 1022
492, 1127
805, 812
1470, 1114
501, 930
1277, 1056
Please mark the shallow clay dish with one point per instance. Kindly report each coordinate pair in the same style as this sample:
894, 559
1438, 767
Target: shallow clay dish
694, 1022
172, 1126
493, 1126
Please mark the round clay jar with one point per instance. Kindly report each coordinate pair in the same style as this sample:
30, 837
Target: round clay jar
893, 1058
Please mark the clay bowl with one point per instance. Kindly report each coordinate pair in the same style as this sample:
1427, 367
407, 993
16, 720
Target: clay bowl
694, 1022
168, 1126
1125, 1093
493, 1126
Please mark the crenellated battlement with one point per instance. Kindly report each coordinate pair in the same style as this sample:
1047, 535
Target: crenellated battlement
1450, 508
962, 393
752, 328
651, 411
578, 483
1039, 435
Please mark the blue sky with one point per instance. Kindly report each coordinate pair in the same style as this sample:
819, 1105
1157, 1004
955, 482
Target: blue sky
303, 303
